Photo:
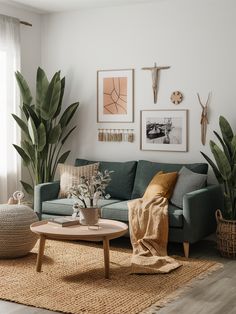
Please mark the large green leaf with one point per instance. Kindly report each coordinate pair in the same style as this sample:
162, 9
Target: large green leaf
227, 207
32, 113
226, 129
23, 155
214, 168
63, 81
33, 131
233, 148
221, 161
224, 146
22, 125
51, 101
61, 160
24, 112
41, 87
41, 137
67, 135
63, 157
24, 88
29, 148
55, 134
68, 114
28, 188
234, 176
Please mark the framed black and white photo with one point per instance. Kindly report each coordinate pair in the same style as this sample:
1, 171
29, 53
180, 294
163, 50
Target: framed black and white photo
164, 130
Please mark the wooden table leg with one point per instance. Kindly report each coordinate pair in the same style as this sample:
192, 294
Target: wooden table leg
106, 257
42, 240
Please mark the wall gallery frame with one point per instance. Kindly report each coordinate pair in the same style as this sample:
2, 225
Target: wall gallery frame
115, 95
164, 130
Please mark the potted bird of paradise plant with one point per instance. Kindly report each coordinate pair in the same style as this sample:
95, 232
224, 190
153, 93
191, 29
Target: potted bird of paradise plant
224, 169
45, 127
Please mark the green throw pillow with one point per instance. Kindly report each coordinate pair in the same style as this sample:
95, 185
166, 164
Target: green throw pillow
187, 181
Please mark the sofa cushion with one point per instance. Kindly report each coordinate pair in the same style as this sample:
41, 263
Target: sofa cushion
188, 181
58, 206
64, 206
119, 211
122, 182
147, 169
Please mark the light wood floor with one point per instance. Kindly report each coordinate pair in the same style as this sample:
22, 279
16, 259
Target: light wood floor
216, 294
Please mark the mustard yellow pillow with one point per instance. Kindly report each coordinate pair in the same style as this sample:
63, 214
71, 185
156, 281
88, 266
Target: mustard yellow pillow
161, 184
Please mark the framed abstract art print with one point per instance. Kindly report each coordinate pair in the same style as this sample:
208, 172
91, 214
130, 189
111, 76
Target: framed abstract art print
115, 95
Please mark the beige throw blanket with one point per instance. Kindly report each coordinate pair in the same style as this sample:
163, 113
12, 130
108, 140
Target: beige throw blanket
149, 236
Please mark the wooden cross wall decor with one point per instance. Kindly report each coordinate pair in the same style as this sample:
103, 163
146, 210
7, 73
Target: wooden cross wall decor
155, 78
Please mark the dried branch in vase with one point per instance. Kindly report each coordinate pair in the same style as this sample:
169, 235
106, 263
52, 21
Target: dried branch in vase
90, 190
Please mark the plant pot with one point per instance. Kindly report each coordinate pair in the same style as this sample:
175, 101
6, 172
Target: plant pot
89, 216
226, 236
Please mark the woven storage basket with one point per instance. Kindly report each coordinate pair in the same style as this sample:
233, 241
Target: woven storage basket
226, 236
16, 238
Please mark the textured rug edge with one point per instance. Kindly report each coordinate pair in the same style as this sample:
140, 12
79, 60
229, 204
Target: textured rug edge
175, 295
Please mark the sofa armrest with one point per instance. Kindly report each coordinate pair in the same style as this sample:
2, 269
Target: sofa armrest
45, 192
199, 212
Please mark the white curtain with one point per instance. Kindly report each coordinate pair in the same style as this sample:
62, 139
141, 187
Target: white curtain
10, 165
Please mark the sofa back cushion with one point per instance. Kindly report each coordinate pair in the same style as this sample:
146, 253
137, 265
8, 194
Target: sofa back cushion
122, 182
147, 169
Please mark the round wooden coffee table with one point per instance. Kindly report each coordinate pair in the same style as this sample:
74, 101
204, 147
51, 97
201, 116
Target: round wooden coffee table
107, 230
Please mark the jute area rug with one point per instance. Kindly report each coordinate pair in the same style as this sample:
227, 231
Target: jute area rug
72, 280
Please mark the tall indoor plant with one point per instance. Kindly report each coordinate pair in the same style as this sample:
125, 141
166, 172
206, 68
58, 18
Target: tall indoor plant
224, 169
44, 127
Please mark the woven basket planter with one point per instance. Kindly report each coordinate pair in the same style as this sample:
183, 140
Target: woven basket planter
16, 238
226, 236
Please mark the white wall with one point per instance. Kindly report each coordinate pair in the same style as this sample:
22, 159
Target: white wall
195, 37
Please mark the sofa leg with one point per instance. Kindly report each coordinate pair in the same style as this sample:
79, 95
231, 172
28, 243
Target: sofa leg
186, 249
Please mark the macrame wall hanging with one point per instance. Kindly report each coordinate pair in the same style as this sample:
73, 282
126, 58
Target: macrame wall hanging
116, 135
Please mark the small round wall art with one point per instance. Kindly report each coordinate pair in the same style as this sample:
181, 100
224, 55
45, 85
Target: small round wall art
176, 97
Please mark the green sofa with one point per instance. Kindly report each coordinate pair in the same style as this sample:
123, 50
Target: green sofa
186, 225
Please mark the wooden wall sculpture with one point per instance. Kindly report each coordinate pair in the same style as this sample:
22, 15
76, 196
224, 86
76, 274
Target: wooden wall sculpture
155, 78
204, 117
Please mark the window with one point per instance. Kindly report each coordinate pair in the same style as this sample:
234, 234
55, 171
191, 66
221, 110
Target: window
9, 103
